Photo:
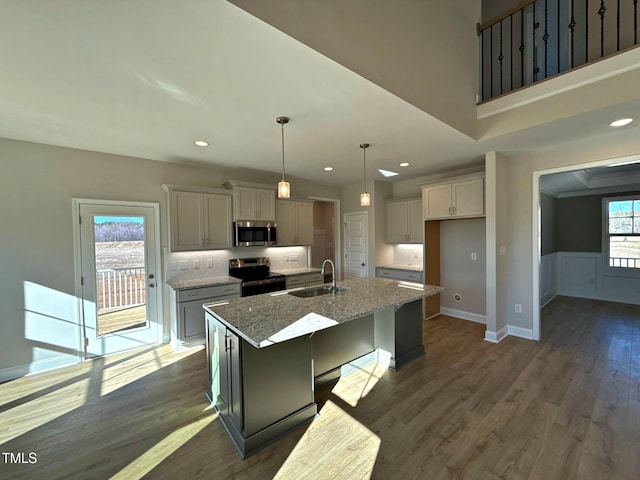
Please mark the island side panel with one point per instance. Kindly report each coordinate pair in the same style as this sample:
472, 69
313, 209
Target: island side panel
398, 332
339, 345
278, 381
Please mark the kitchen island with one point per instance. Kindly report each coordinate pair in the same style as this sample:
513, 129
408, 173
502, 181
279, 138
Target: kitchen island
265, 353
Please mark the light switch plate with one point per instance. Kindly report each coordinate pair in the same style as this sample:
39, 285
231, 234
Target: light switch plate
196, 264
209, 262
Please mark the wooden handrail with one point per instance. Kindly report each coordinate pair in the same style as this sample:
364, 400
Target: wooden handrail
481, 27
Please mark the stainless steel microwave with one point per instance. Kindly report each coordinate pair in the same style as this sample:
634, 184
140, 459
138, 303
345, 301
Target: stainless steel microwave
254, 233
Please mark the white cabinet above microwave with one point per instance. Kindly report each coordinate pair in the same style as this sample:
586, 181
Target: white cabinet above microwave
252, 201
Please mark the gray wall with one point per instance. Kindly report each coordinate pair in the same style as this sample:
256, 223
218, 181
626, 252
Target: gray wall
548, 224
579, 222
458, 273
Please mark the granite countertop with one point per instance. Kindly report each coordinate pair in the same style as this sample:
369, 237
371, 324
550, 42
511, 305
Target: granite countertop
263, 320
187, 283
297, 271
408, 268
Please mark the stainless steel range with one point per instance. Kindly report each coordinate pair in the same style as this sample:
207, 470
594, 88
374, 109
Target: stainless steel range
256, 275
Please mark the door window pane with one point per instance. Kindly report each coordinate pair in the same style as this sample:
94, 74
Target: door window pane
120, 273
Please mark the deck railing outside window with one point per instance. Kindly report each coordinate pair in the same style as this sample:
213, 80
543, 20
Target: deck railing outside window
541, 38
120, 287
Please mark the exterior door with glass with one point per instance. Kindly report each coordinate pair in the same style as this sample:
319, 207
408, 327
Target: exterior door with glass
119, 276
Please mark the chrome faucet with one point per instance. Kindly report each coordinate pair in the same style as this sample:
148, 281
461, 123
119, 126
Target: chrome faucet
334, 287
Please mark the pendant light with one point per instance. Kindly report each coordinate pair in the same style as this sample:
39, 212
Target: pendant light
365, 198
284, 189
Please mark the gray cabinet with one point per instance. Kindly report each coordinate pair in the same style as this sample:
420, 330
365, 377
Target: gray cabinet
304, 280
253, 399
188, 327
398, 274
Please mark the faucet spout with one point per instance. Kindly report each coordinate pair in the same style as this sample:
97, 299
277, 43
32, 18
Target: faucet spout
334, 287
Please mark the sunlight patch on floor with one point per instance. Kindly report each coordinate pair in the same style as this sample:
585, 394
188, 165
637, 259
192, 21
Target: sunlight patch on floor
335, 446
357, 385
33, 414
153, 457
120, 375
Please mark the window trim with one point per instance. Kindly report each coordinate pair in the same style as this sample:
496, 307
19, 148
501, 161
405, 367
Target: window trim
606, 246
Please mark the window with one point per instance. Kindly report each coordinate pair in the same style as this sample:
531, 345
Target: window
623, 231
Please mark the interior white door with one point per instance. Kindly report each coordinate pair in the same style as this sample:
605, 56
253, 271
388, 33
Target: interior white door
355, 235
120, 265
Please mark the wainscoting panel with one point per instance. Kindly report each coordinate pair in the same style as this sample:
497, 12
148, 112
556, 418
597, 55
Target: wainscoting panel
548, 278
583, 275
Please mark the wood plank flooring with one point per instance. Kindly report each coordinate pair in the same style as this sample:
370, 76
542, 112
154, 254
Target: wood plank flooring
567, 407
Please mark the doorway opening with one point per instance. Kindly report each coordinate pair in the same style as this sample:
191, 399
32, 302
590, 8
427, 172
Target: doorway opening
326, 235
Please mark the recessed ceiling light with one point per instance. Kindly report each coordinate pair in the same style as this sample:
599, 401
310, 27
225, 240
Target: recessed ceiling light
621, 122
328, 169
388, 173
404, 164
201, 143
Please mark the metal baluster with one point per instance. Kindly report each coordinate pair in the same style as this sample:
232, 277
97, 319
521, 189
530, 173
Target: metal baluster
635, 21
545, 37
482, 64
601, 11
558, 37
521, 48
511, 48
586, 31
500, 57
491, 57
572, 26
535, 50
618, 28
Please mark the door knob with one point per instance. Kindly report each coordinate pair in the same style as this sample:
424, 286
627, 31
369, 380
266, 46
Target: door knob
151, 276
362, 264
151, 285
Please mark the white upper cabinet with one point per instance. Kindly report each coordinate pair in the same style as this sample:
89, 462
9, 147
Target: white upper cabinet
404, 221
199, 221
254, 204
295, 222
456, 199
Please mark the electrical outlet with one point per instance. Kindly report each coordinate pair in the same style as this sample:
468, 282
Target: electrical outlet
183, 265
196, 264
209, 262
293, 257
518, 308
474, 256
502, 250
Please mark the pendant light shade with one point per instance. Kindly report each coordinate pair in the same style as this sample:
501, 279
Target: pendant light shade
365, 198
284, 189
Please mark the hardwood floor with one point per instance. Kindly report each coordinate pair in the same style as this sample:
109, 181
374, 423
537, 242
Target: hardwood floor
567, 407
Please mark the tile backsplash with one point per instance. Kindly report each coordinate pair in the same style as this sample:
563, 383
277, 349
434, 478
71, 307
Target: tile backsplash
215, 263
406, 254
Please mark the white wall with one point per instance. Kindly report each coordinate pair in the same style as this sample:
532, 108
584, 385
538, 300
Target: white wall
38, 318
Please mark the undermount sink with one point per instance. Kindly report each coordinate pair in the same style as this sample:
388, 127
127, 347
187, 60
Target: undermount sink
316, 291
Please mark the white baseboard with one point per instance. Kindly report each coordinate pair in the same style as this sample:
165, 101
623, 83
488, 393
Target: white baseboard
18, 371
525, 333
473, 317
495, 337
544, 303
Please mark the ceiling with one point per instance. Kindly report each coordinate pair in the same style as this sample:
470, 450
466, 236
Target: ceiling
612, 178
147, 79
